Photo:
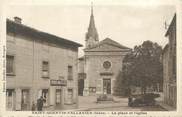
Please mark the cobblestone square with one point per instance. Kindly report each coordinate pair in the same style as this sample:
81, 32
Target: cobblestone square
88, 103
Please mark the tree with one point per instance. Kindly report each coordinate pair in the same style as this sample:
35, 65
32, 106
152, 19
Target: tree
142, 67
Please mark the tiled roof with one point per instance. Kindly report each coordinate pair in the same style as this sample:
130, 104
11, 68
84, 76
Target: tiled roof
173, 23
13, 27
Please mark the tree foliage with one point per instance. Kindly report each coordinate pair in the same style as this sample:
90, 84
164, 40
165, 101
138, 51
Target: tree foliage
142, 67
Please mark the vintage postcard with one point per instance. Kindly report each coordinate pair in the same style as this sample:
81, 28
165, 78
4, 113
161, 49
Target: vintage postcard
91, 58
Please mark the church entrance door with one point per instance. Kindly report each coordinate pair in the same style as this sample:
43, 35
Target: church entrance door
107, 86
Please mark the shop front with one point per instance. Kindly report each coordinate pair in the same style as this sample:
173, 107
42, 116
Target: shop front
25, 99
10, 99
58, 85
18, 99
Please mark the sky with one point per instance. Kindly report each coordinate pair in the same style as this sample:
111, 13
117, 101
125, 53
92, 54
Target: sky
128, 25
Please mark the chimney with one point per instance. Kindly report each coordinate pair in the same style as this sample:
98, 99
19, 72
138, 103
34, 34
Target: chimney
17, 20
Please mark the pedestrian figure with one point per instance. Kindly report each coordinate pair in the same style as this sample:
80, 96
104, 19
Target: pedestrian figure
33, 106
130, 100
40, 103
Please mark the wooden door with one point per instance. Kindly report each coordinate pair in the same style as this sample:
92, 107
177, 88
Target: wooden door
107, 86
25, 99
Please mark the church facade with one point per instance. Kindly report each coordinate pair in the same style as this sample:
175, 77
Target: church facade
101, 63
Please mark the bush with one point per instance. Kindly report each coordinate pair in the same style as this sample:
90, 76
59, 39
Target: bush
145, 99
104, 97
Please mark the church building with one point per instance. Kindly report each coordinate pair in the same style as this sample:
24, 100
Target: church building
101, 63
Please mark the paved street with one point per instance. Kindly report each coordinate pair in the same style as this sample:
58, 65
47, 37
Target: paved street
88, 103
124, 108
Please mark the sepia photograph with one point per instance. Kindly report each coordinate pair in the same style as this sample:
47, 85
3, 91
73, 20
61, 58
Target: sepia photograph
91, 57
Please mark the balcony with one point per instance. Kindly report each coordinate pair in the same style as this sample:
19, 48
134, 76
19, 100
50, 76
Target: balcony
82, 75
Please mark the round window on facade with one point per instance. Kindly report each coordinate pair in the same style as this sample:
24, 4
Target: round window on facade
107, 64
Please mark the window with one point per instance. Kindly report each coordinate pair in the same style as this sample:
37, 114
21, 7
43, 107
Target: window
107, 64
9, 92
70, 73
9, 65
45, 69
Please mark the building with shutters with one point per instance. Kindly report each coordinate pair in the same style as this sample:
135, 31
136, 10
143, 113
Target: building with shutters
39, 64
100, 64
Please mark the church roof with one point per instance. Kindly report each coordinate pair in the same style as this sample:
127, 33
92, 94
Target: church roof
112, 42
109, 42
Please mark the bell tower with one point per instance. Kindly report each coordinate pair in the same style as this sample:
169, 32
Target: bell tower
92, 37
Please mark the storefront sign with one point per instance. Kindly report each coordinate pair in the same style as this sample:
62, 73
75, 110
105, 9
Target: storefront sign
58, 82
